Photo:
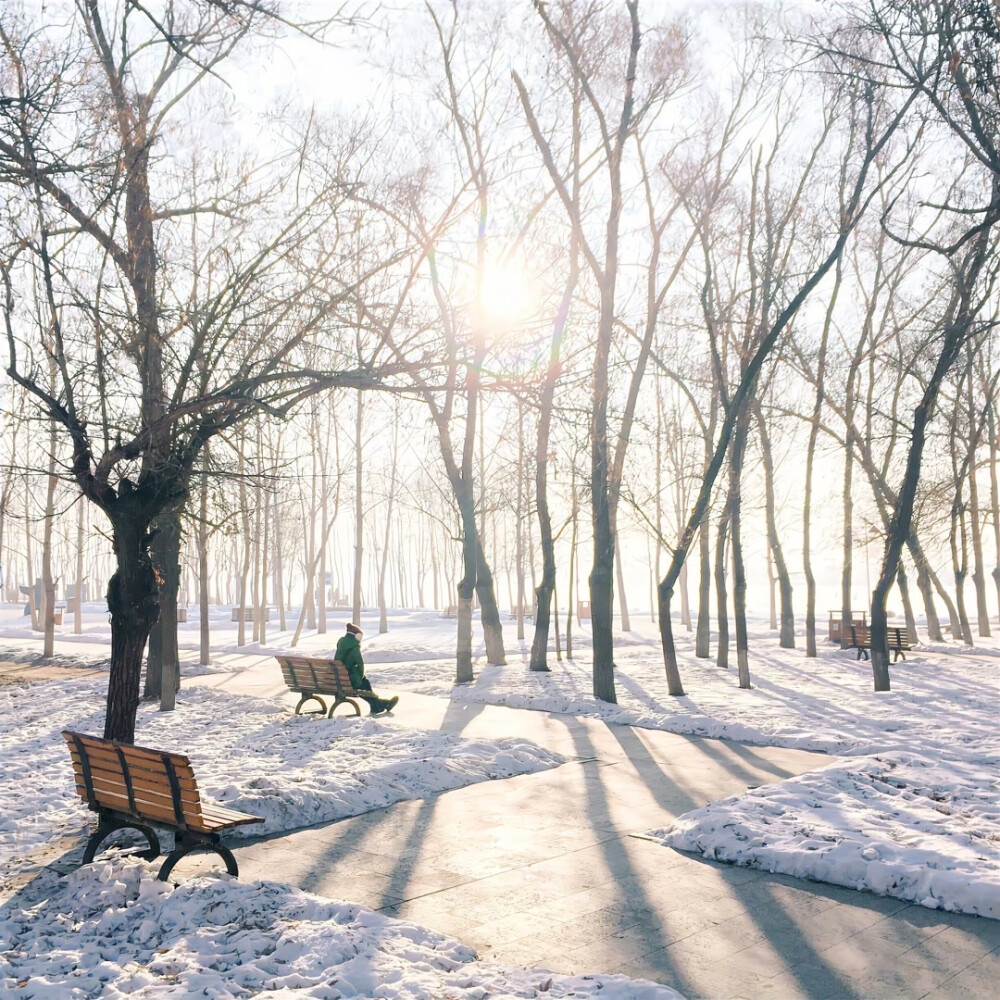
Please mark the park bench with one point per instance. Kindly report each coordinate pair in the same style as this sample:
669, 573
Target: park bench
315, 678
138, 788
861, 640
583, 611
248, 614
450, 611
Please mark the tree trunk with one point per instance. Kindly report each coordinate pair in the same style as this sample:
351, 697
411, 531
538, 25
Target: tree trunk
133, 602
721, 594
204, 575
787, 636
978, 563
904, 596
48, 583
488, 611
957, 324
704, 628
620, 580
359, 546
81, 539
162, 664
934, 633
739, 568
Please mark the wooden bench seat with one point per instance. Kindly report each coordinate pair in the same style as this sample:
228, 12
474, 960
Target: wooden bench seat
861, 640
314, 678
136, 787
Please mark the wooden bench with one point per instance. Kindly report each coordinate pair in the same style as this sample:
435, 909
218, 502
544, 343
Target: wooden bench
315, 678
248, 614
861, 640
450, 611
138, 788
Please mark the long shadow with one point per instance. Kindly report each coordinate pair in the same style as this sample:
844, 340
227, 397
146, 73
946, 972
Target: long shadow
614, 851
790, 943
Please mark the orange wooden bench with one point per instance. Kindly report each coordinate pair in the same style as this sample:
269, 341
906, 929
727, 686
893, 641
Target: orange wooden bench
138, 788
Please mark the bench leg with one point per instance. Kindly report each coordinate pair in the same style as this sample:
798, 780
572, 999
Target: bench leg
310, 697
344, 701
108, 825
186, 842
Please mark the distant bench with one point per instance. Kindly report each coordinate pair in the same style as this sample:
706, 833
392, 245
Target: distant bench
450, 611
861, 640
315, 678
250, 613
132, 787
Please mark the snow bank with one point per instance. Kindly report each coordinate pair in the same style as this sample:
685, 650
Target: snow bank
903, 826
248, 753
113, 930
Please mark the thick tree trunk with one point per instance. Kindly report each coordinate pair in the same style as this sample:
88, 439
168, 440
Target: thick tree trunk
489, 613
133, 602
162, 665
958, 322
975, 529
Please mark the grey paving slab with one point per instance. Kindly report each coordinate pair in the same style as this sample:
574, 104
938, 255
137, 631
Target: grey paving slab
542, 870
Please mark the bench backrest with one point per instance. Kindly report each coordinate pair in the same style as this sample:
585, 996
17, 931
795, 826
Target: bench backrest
153, 784
861, 635
313, 673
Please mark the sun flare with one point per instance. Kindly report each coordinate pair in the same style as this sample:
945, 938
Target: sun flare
508, 296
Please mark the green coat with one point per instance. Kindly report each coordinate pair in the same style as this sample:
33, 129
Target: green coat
349, 653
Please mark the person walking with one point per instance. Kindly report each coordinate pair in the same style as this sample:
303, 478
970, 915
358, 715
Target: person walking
349, 653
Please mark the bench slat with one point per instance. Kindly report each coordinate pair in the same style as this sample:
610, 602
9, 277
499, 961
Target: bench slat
136, 756
106, 781
144, 777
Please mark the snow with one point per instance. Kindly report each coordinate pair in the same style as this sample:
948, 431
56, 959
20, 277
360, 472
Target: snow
112, 930
908, 807
249, 754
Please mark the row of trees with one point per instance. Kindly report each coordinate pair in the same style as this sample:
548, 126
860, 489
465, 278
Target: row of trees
717, 290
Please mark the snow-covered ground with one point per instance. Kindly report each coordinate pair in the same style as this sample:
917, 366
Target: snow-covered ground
249, 754
112, 930
911, 808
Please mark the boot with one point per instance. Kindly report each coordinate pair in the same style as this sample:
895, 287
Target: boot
380, 705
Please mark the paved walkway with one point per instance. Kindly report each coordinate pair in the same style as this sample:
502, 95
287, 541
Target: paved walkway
546, 870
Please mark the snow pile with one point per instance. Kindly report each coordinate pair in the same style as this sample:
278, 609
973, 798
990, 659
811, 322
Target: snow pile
112, 930
249, 754
900, 825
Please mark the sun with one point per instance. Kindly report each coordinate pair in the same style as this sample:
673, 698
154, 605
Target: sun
509, 297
